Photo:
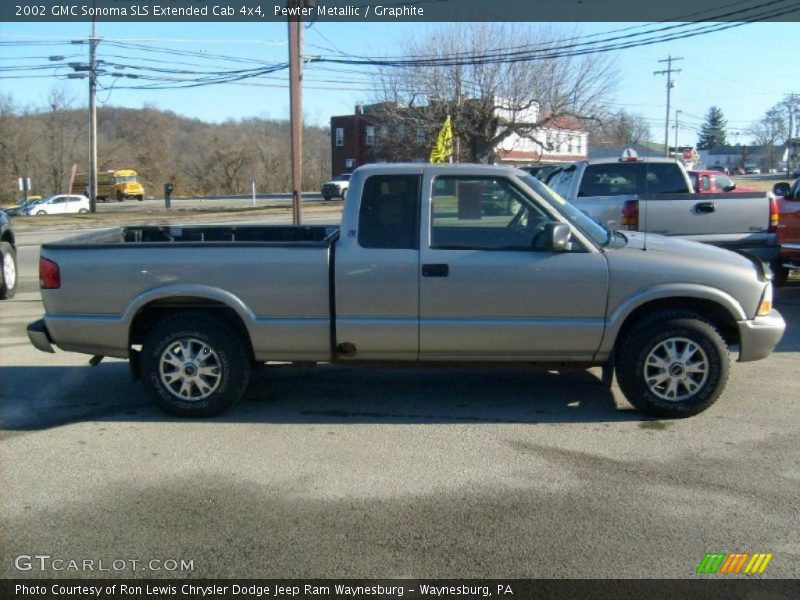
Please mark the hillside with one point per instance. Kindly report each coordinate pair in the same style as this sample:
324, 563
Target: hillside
199, 157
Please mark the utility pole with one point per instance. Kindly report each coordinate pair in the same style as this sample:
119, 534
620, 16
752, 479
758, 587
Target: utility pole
677, 112
670, 84
93, 118
296, 104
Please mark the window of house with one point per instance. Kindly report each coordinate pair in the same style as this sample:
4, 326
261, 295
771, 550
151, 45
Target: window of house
401, 131
389, 212
340, 136
370, 135
384, 131
579, 145
420, 133
476, 213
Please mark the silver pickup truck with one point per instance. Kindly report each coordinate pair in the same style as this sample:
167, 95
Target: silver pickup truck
656, 195
433, 264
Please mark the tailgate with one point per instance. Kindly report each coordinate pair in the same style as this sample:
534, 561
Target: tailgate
707, 217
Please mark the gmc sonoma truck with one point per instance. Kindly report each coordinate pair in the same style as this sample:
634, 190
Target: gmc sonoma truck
656, 195
432, 264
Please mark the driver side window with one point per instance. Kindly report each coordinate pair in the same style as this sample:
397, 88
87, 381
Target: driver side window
477, 213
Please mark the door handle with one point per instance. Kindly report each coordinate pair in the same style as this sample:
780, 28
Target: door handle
435, 270
705, 207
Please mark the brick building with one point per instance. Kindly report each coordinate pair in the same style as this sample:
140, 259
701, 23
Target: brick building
366, 137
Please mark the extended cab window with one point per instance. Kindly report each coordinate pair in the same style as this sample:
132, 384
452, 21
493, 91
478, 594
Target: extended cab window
389, 212
474, 213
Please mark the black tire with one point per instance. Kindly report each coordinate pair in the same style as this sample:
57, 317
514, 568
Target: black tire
780, 274
120, 197
83, 211
344, 192
226, 348
140, 198
8, 271
687, 331
41, 212
326, 198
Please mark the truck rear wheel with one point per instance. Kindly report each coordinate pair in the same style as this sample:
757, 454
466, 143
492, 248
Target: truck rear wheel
8, 271
194, 365
673, 364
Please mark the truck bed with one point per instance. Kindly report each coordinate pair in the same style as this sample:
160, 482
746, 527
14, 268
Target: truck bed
276, 277
315, 235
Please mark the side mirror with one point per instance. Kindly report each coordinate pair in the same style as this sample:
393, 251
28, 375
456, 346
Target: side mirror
554, 237
782, 189
729, 188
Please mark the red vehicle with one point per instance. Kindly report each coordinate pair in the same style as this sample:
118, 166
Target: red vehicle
714, 182
788, 199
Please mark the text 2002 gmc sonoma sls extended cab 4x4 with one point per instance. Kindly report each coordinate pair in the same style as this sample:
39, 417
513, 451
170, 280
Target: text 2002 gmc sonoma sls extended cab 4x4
434, 264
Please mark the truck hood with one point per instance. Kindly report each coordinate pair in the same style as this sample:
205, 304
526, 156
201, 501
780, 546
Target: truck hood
679, 250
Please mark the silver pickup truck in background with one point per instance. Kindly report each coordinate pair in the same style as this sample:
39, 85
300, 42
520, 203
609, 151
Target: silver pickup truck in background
432, 264
655, 195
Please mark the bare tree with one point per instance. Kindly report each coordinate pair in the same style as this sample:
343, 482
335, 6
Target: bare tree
769, 132
488, 101
620, 128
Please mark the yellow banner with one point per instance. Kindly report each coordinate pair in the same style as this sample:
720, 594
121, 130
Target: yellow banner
443, 149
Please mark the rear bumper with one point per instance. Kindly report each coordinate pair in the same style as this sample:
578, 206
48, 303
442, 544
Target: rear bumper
40, 337
759, 336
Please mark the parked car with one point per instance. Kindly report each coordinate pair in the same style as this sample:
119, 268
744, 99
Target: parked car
542, 170
58, 205
714, 182
405, 280
751, 169
336, 187
8, 259
655, 195
18, 209
788, 200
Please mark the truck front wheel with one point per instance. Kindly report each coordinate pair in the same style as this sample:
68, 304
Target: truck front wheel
672, 364
194, 365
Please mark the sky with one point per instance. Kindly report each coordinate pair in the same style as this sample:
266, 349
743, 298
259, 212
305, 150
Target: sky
744, 70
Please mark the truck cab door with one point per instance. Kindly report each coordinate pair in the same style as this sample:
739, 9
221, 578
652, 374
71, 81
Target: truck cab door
487, 292
377, 270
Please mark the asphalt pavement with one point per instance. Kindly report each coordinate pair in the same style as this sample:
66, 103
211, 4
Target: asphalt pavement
330, 472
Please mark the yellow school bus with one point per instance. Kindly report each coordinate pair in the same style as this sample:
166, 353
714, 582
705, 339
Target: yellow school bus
117, 185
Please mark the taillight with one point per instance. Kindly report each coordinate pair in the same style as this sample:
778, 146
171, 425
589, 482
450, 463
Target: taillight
630, 215
49, 274
773, 215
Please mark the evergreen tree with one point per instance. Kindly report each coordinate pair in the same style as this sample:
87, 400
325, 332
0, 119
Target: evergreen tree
712, 132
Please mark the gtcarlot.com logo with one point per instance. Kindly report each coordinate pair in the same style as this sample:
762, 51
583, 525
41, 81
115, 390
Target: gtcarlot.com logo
734, 563
45, 562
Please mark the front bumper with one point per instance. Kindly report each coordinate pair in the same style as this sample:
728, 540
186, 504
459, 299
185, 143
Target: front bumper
758, 337
40, 337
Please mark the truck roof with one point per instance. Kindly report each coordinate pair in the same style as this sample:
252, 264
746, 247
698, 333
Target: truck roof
445, 167
646, 159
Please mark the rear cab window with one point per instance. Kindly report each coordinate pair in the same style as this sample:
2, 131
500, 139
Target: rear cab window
632, 178
389, 212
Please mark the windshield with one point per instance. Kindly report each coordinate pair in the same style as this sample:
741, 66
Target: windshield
592, 229
128, 179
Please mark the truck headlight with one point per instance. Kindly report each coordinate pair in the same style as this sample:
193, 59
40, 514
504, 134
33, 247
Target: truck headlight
766, 302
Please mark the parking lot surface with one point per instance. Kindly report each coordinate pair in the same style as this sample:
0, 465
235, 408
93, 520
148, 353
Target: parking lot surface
329, 472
